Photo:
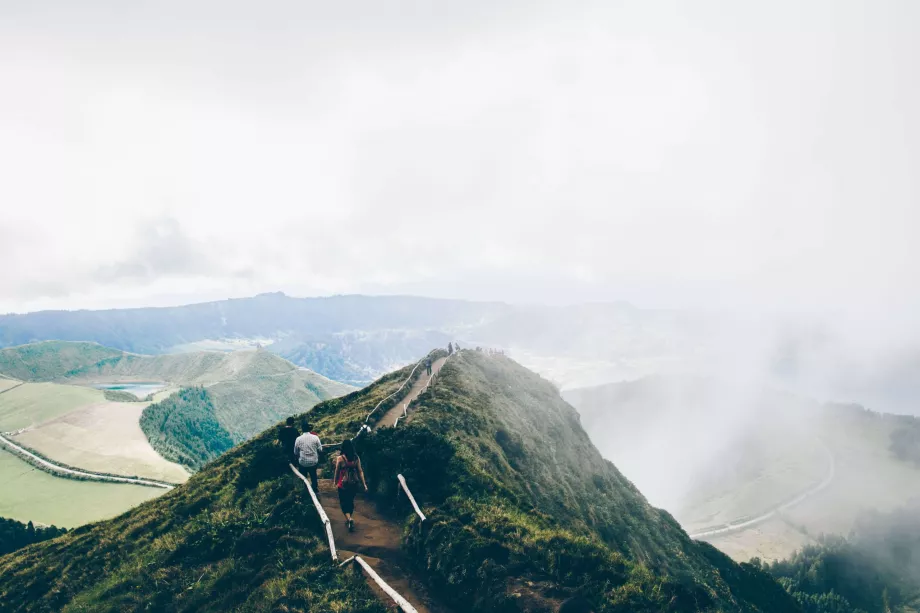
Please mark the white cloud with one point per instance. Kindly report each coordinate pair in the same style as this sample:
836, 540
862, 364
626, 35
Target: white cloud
759, 157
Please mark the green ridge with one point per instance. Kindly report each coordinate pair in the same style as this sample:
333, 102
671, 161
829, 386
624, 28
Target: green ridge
522, 512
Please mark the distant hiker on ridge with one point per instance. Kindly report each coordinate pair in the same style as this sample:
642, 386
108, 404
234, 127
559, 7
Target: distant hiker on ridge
287, 436
428, 365
348, 477
307, 448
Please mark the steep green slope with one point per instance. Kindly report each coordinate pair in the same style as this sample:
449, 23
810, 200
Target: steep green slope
522, 511
519, 500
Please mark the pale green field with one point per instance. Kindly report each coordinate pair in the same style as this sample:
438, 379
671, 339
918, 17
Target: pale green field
27, 493
33, 403
867, 477
6, 384
103, 437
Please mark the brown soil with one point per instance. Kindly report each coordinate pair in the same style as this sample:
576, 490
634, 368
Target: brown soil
376, 538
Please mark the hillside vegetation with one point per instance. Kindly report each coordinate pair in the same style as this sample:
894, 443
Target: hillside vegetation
876, 569
522, 511
183, 428
16, 535
237, 394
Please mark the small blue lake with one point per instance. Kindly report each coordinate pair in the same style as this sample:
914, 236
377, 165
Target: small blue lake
139, 388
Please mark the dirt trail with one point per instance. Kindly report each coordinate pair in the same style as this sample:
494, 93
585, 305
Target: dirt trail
390, 417
377, 539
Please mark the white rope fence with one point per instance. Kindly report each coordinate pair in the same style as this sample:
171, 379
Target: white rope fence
322, 513
409, 378
399, 600
393, 594
418, 511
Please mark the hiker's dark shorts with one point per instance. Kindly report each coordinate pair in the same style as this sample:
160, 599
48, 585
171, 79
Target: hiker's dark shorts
347, 499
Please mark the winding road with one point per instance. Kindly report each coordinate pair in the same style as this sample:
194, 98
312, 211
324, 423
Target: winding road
55, 468
748, 523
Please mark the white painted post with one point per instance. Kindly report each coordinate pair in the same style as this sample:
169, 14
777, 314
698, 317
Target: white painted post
402, 602
402, 482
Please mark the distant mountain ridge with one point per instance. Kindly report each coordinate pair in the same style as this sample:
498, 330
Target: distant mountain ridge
355, 339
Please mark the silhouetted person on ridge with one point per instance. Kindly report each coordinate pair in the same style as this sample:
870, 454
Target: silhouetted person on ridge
287, 435
348, 478
575, 604
307, 448
428, 365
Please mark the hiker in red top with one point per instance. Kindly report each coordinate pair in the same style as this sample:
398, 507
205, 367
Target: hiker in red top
348, 477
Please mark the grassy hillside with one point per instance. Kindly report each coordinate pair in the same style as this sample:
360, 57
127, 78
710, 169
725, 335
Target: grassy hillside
246, 391
51, 360
522, 512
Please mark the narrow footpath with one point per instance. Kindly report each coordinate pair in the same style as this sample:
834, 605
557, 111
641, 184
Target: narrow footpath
377, 538
389, 419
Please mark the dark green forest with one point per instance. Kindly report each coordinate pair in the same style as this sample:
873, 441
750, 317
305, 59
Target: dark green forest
16, 535
875, 570
184, 429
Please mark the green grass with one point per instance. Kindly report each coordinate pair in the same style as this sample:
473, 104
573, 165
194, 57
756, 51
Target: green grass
249, 390
517, 498
238, 536
30, 494
516, 494
33, 403
50, 360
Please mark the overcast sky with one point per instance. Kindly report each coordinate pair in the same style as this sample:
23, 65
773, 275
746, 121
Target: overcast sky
667, 153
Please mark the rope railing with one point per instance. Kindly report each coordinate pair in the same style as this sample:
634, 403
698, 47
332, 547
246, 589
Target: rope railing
322, 513
418, 511
393, 594
409, 378
397, 598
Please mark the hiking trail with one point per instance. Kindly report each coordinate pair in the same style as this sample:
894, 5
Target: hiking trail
377, 537
390, 417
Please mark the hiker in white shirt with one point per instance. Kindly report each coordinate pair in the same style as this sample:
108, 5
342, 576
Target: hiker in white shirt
307, 448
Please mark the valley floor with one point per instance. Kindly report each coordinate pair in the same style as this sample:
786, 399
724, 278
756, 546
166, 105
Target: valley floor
28, 494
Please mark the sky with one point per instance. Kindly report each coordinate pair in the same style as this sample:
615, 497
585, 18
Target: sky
672, 154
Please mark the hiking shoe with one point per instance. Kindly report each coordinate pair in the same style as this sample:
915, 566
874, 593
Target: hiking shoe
351, 525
